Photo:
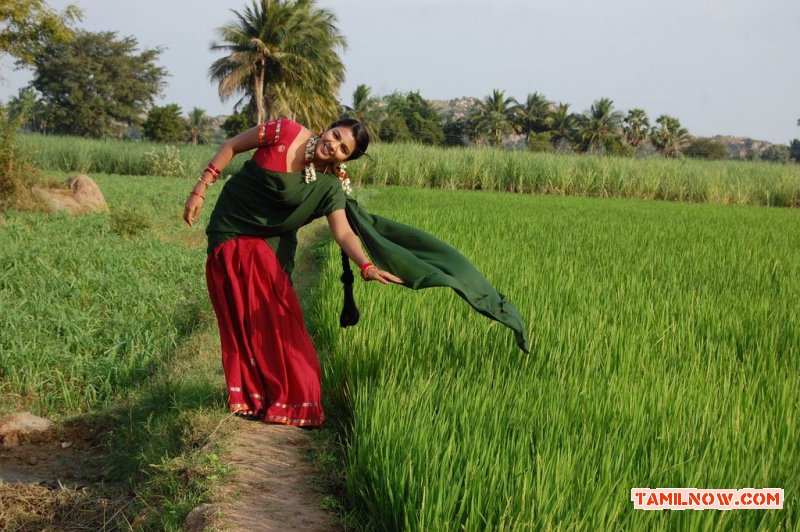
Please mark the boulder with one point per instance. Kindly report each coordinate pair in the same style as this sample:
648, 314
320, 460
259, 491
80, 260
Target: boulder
81, 196
18, 429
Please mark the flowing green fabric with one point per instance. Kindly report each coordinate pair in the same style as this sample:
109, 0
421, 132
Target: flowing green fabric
423, 261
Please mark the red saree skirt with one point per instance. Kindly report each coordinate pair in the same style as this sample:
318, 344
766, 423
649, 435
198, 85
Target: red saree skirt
271, 366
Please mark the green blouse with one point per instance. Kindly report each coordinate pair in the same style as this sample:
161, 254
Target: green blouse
272, 205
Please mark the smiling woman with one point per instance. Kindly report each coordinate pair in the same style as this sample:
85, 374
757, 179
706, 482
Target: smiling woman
271, 367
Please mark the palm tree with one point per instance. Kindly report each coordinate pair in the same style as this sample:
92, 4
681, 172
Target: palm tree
365, 109
637, 127
493, 117
532, 115
199, 124
600, 126
281, 54
669, 137
562, 124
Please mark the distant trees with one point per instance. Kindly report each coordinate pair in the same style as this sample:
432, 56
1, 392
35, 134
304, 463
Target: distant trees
411, 117
669, 137
494, 117
562, 127
165, 124
705, 149
636, 127
96, 84
281, 57
600, 126
533, 115
199, 125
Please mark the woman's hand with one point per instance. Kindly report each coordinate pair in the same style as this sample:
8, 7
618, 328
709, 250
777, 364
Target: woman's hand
373, 273
191, 211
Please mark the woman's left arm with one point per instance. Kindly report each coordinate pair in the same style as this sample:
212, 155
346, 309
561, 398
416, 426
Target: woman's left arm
344, 236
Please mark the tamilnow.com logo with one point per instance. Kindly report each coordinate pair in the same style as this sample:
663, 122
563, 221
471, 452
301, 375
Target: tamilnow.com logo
700, 499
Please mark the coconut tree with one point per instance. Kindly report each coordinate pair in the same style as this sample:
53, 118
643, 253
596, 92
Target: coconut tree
532, 115
562, 125
636, 127
493, 117
600, 125
199, 124
669, 137
282, 57
366, 109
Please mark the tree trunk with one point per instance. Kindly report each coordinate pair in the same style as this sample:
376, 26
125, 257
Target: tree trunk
258, 93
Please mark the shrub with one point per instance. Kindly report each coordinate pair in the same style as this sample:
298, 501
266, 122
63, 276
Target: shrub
166, 162
127, 222
17, 174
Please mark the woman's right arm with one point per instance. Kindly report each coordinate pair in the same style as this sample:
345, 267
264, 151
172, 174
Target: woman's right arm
245, 141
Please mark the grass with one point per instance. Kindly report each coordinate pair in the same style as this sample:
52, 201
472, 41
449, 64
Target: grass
687, 180
665, 342
105, 319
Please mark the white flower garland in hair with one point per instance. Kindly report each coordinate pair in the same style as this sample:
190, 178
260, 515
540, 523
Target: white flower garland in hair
311, 172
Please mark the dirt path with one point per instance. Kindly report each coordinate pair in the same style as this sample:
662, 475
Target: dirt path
272, 483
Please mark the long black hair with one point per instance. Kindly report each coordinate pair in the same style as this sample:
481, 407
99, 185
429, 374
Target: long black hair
359, 133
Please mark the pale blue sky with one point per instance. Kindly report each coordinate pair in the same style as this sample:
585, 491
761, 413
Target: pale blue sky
721, 66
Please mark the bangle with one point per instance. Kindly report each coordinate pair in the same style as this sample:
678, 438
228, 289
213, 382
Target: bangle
198, 195
365, 268
214, 170
206, 183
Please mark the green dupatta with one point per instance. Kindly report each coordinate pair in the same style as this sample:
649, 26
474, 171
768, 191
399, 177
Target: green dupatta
424, 261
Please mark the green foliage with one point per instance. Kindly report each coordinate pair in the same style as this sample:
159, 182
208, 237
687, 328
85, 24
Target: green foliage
281, 55
539, 142
705, 149
394, 129
777, 153
647, 320
96, 85
669, 137
533, 115
493, 118
794, 150
236, 123
28, 26
418, 114
599, 127
456, 132
199, 126
636, 127
128, 222
17, 173
165, 162
165, 124
27, 106
562, 126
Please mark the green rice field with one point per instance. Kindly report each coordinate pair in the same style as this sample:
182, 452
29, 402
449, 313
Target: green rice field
665, 353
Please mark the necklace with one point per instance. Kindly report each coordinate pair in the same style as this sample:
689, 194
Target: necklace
311, 172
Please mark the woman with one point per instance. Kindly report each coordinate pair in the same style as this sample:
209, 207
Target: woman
271, 368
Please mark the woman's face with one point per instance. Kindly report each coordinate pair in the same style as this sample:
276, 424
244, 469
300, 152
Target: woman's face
336, 144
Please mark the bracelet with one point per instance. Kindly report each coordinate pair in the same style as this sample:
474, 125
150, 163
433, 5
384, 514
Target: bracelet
206, 183
198, 195
365, 268
214, 170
